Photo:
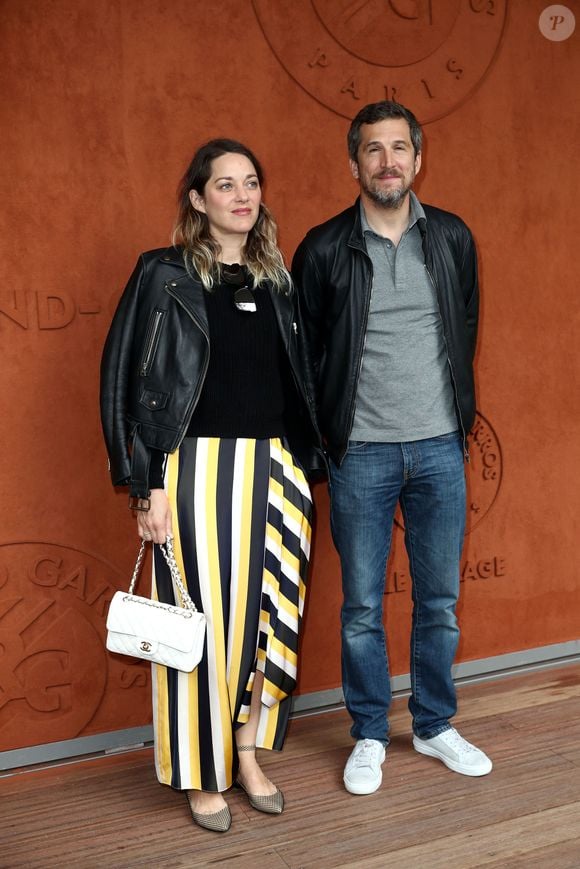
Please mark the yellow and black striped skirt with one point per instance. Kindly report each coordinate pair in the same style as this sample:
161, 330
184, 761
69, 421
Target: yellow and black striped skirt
242, 526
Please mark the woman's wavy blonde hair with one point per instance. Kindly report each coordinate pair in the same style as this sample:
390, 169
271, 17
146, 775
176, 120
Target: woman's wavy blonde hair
201, 251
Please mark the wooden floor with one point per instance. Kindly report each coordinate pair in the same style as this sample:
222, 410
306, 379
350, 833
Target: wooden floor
112, 813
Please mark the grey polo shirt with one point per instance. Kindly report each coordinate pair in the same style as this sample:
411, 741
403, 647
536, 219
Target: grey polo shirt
405, 391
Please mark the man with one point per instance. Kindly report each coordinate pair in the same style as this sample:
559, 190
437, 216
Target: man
389, 298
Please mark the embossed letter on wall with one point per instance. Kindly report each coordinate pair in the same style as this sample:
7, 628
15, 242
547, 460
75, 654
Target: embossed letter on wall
428, 54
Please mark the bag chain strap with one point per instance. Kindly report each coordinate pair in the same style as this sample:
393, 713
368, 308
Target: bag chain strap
169, 555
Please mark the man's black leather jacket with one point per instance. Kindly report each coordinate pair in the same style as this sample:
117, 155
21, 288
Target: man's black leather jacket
154, 365
333, 274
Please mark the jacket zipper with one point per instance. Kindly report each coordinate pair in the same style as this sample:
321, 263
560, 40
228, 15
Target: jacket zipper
197, 392
301, 392
362, 351
455, 392
151, 343
287, 341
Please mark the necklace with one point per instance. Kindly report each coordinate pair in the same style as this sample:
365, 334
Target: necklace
235, 275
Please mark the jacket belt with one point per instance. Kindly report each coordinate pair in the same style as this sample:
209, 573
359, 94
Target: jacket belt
139, 485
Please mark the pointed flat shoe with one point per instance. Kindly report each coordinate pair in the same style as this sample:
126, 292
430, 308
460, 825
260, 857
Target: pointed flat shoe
271, 804
217, 822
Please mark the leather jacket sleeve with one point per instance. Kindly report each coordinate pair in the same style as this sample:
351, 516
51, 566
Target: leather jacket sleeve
310, 293
115, 364
470, 288
311, 451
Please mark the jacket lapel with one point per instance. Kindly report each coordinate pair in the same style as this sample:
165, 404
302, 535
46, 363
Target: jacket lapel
284, 309
190, 294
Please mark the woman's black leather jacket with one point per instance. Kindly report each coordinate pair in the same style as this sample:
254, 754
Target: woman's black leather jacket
154, 365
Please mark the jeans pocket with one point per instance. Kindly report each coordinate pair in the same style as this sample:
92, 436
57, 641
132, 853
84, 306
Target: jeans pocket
450, 436
353, 446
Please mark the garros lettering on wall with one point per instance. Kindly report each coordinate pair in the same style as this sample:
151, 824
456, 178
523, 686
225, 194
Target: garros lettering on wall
483, 471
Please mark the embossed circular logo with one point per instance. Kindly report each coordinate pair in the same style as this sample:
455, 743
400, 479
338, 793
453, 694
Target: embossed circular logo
55, 675
428, 54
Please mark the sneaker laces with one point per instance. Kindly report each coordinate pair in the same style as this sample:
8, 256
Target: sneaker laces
456, 741
366, 753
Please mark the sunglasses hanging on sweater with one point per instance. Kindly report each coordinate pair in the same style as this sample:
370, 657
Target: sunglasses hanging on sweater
235, 275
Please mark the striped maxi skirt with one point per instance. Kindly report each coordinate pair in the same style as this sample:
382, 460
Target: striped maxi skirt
242, 527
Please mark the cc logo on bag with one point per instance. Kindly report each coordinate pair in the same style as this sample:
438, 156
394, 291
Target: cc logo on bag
429, 55
145, 647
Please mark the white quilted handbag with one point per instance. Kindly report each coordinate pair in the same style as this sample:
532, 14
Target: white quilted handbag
143, 628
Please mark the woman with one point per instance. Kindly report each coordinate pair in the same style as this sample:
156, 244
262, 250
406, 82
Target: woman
207, 419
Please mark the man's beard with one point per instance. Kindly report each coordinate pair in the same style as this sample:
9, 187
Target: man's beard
388, 198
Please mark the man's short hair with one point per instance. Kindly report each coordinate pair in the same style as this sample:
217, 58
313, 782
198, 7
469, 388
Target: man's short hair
375, 112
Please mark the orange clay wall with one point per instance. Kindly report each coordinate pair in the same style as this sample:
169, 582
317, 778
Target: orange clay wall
102, 105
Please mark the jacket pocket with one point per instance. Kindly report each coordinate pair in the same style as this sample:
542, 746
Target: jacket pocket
153, 400
151, 341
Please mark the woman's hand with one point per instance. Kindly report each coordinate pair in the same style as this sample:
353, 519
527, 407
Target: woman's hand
156, 523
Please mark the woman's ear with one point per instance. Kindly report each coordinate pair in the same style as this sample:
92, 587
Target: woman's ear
197, 201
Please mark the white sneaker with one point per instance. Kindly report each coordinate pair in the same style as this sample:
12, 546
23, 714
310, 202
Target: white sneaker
455, 752
362, 773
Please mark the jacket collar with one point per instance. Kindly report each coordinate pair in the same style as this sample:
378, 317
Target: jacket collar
172, 256
189, 291
186, 288
356, 238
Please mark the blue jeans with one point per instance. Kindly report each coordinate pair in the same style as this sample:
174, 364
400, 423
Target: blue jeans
427, 478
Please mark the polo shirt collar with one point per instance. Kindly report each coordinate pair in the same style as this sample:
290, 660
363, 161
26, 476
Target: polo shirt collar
416, 213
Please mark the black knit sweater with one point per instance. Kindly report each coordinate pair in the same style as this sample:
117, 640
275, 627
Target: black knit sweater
247, 384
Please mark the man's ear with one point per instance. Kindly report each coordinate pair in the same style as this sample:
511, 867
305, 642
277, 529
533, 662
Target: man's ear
197, 201
354, 169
